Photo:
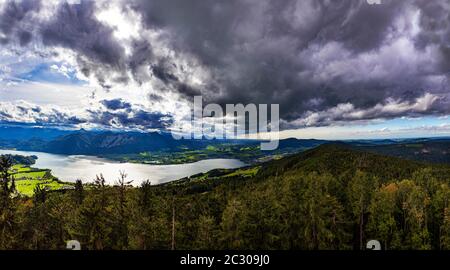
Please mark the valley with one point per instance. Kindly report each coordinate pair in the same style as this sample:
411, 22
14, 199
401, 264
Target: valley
309, 200
161, 149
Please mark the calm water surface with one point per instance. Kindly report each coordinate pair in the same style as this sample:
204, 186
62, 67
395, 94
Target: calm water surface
71, 168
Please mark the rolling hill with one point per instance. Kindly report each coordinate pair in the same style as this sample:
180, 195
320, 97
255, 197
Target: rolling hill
154, 147
330, 197
429, 150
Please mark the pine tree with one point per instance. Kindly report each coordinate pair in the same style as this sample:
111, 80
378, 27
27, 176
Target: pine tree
8, 219
426, 180
120, 232
145, 195
151, 219
206, 233
360, 192
414, 203
40, 195
445, 231
92, 226
5, 166
382, 224
13, 189
440, 204
78, 193
322, 214
231, 225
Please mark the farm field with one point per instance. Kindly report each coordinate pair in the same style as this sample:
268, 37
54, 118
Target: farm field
27, 179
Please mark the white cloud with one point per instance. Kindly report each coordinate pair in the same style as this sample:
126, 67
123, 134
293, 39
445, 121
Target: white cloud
346, 112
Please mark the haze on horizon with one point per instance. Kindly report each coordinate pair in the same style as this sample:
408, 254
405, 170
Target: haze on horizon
338, 69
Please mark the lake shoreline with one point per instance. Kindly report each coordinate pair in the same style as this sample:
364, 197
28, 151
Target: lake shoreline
120, 158
69, 168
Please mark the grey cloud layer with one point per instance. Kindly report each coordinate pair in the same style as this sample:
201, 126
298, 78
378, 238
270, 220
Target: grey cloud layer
116, 114
12, 15
312, 57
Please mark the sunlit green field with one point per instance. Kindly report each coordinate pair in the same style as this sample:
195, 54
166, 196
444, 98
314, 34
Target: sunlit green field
246, 172
27, 179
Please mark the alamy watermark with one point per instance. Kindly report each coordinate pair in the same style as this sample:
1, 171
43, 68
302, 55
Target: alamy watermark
374, 2
238, 122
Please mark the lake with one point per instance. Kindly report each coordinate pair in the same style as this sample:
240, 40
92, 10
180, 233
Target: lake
71, 168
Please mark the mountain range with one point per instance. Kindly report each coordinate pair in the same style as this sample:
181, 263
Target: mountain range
101, 143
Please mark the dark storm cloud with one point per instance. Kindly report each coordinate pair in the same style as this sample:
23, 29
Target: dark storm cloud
11, 17
119, 114
321, 60
435, 28
292, 52
4, 115
162, 71
73, 26
359, 26
140, 60
135, 119
116, 104
76, 27
24, 38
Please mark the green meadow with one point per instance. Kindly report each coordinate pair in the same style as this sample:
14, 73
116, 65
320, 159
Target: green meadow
28, 178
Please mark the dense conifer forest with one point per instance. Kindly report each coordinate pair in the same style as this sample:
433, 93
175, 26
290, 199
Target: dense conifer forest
330, 197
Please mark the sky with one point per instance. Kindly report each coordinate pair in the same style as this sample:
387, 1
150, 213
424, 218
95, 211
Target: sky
338, 69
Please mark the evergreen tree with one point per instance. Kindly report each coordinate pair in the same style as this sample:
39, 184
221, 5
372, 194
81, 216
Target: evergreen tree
360, 191
13, 189
92, 225
323, 214
40, 195
151, 219
440, 204
120, 230
382, 224
5, 166
445, 231
231, 225
414, 203
8, 219
38, 224
206, 233
78, 194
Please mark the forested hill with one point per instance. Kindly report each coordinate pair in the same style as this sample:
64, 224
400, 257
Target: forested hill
19, 159
330, 197
341, 159
430, 150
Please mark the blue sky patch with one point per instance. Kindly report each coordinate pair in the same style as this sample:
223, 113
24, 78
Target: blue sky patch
52, 72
